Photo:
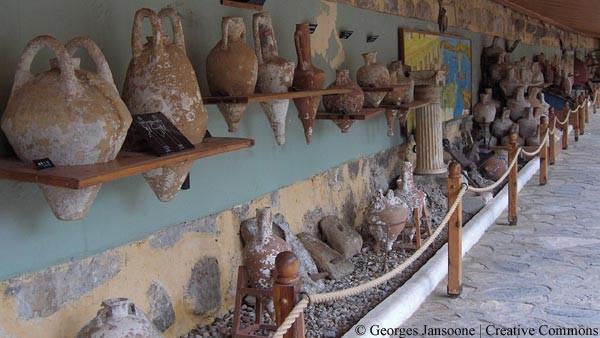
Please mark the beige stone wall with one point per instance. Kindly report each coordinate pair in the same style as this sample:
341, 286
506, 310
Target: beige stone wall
484, 16
194, 263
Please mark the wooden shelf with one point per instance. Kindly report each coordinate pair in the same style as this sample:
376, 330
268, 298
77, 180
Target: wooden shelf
271, 97
240, 4
365, 114
383, 89
126, 164
406, 107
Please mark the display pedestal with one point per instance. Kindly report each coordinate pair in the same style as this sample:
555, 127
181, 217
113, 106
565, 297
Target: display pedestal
429, 131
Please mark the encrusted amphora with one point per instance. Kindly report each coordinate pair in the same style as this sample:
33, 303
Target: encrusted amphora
373, 75
306, 77
119, 318
70, 115
160, 78
386, 217
262, 246
275, 74
343, 104
232, 69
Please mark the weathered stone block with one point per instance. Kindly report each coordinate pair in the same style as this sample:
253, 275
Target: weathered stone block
203, 293
161, 311
341, 237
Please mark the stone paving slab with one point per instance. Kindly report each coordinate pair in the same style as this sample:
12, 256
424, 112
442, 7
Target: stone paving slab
545, 270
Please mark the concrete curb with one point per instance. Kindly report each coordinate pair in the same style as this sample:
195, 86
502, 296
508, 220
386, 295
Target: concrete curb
400, 305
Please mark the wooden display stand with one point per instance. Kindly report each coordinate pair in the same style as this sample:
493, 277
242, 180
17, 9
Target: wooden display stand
261, 295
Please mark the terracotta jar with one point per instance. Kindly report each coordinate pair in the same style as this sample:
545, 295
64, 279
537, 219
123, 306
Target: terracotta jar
306, 77
566, 84
501, 126
386, 218
518, 104
232, 69
545, 104
403, 94
119, 318
494, 167
275, 74
261, 248
158, 69
510, 83
409, 193
350, 103
537, 78
70, 115
525, 74
373, 75
485, 110
528, 128
496, 103
532, 97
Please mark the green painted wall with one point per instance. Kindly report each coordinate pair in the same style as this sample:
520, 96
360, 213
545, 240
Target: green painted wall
31, 238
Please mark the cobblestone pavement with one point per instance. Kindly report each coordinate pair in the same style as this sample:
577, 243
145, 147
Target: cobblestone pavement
545, 270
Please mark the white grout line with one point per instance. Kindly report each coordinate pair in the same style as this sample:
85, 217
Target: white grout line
399, 306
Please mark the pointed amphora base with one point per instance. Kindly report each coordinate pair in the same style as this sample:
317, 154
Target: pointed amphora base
307, 111
166, 181
344, 125
232, 112
390, 116
70, 204
276, 112
374, 99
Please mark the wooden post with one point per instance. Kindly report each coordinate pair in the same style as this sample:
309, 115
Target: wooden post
552, 140
454, 232
576, 124
416, 214
587, 110
544, 151
286, 291
582, 118
565, 133
512, 179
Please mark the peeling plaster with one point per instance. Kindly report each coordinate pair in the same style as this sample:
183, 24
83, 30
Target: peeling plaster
325, 41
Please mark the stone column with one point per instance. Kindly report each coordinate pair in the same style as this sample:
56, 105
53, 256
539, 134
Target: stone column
429, 132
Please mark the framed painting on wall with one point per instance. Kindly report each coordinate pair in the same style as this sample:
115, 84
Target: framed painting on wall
432, 51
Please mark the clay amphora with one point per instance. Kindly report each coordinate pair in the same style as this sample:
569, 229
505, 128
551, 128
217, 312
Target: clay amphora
496, 103
119, 318
70, 115
232, 69
510, 83
518, 104
306, 77
262, 248
409, 193
545, 104
275, 74
485, 110
350, 103
373, 75
537, 78
532, 97
528, 128
160, 78
399, 95
525, 74
566, 84
386, 218
501, 127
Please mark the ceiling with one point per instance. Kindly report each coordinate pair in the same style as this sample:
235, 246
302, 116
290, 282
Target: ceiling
579, 15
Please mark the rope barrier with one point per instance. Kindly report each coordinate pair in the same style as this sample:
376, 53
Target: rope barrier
531, 154
500, 180
341, 294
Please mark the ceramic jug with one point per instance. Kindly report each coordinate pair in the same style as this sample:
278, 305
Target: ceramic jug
501, 126
373, 75
70, 115
485, 110
532, 97
518, 104
306, 77
386, 218
537, 78
409, 193
496, 103
232, 69
350, 103
262, 246
528, 128
403, 94
275, 74
119, 318
510, 83
160, 78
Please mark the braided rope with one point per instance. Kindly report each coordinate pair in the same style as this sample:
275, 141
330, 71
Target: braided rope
501, 179
531, 154
341, 294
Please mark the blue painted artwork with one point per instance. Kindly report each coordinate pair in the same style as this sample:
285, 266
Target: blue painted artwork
456, 60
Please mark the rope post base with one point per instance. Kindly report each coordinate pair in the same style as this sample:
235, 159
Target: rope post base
544, 151
454, 231
552, 140
513, 152
286, 292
